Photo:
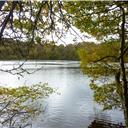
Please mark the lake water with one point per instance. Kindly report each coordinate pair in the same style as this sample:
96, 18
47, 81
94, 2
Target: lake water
74, 106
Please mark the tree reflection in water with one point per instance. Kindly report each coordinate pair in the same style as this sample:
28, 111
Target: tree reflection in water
102, 124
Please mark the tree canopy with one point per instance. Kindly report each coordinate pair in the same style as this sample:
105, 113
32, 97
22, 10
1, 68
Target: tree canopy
100, 19
31, 20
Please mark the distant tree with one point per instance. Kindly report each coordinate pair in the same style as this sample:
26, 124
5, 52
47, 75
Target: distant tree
43, 51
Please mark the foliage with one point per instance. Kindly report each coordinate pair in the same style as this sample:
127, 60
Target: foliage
107, 95
103, 20
18, 105
98, 69
31, 20
98, 18
91, 59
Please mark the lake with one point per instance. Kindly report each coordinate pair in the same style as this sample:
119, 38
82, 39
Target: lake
73, 107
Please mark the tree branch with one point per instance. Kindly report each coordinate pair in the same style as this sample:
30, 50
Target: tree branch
105, 57
14, 3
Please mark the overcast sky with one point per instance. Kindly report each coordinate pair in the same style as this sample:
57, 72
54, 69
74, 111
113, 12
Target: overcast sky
76, 37
72, 36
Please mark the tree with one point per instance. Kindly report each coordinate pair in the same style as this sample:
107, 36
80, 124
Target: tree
30, 20
107, 21
17, 105
23, 22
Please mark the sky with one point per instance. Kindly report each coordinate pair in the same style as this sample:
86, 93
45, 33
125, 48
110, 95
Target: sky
76, 37
73, 35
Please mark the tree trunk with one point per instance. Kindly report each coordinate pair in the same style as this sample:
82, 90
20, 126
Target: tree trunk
122, 67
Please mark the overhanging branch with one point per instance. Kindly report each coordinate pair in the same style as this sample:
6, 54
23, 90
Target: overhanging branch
14, 3
105, 57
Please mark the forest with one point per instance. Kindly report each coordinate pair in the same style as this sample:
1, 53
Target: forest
12, 50
40, 51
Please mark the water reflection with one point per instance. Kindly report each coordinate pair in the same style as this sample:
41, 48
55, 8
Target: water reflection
74, 106
104, 124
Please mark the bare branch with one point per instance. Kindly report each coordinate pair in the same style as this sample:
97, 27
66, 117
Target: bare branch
14, 3
105, 57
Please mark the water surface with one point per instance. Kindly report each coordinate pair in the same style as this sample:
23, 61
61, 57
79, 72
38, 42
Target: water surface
73, 107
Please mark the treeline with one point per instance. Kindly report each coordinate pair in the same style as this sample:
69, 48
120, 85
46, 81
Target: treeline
49, 51
93, 52
103, 52
11, 50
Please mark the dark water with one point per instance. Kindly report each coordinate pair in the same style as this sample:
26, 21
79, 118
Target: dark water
73, 107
